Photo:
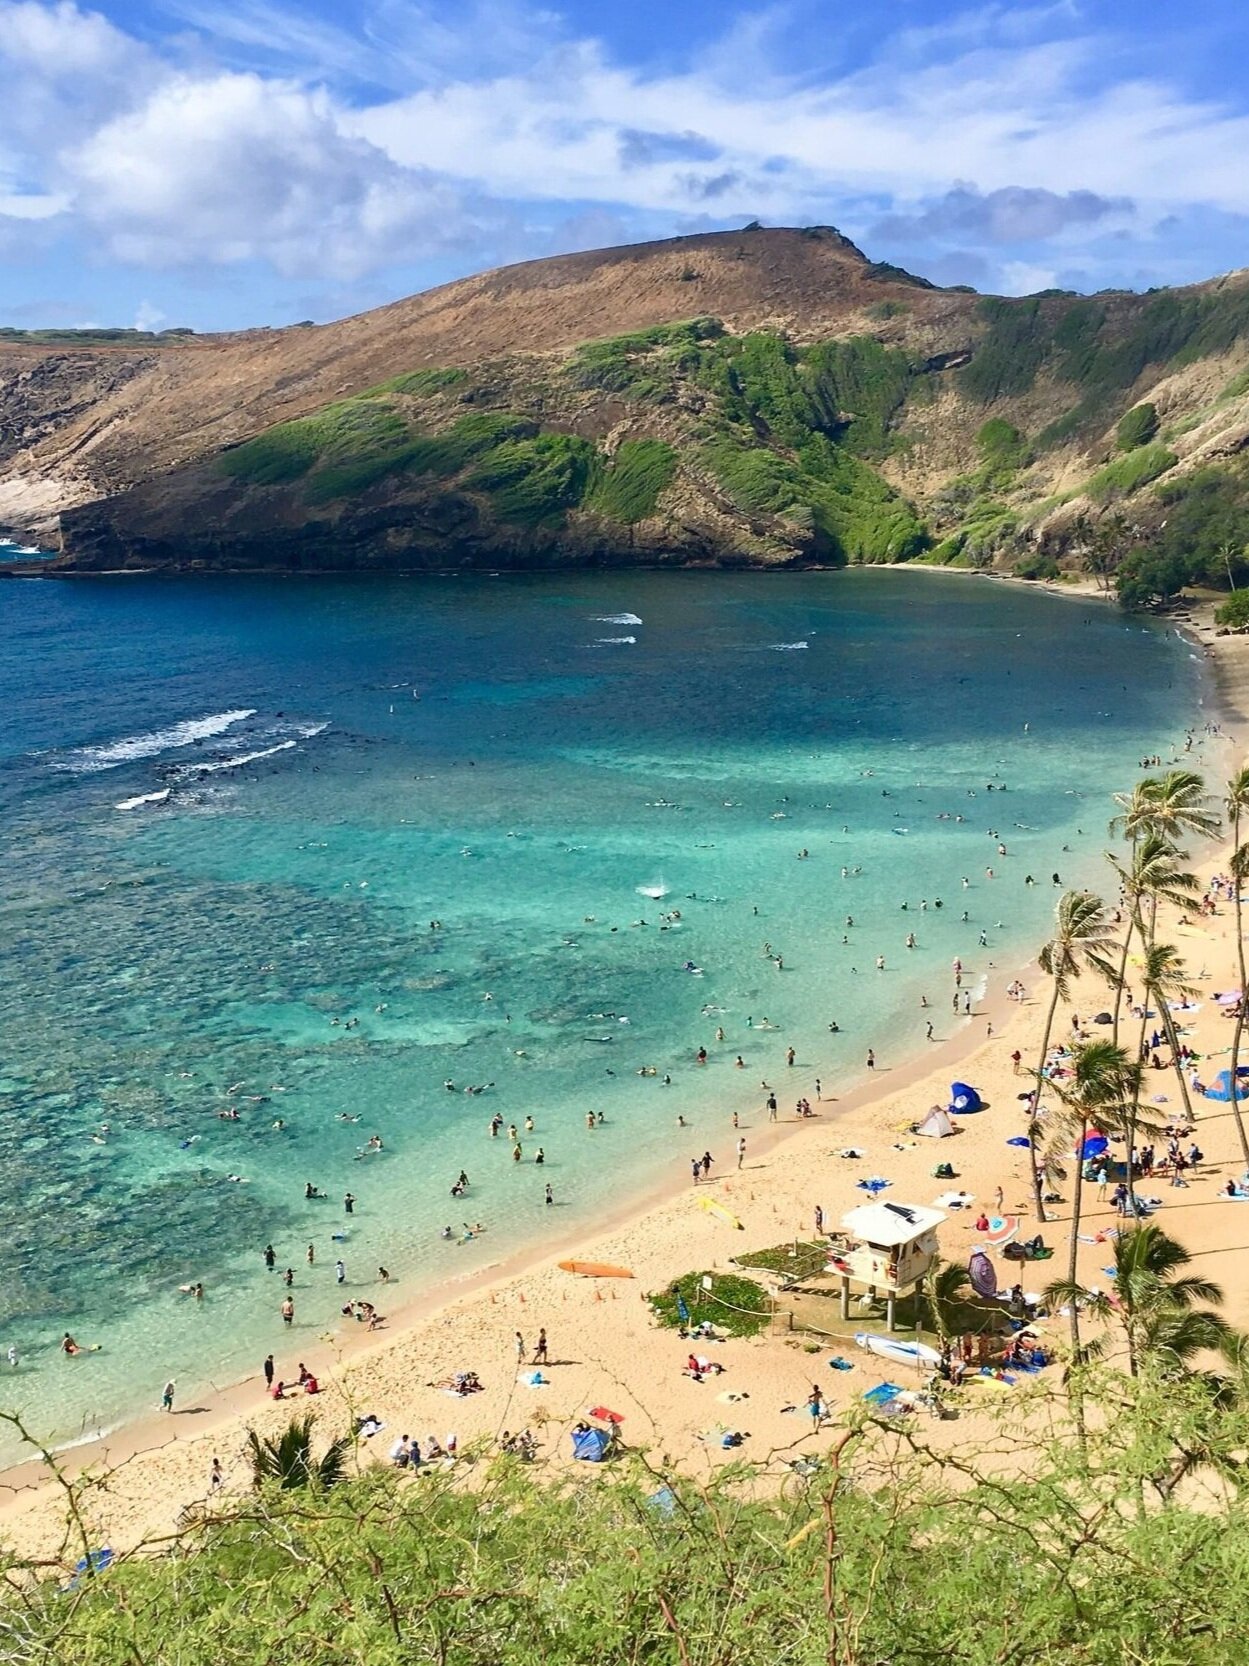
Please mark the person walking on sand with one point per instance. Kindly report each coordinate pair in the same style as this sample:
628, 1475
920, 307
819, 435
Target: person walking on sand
166, 1398
539, 1353
215, 1478
696, 1168
741, 1150
520, 1349
268, 1370
288, 1312
819, 1221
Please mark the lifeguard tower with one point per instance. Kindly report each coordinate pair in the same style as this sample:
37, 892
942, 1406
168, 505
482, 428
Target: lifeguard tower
891, 1247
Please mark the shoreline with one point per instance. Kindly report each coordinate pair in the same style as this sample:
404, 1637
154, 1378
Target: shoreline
329, 1358
656, 1219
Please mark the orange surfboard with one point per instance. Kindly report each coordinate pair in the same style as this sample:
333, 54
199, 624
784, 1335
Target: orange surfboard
595, 1269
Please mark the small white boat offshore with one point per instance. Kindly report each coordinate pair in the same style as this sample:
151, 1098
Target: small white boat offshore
917, 1354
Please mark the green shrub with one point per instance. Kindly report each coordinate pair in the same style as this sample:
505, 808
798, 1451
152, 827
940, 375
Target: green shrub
733, 1304
1129, 473
1234, 611
1137, 427
1147, 576
629, 490
1037, 566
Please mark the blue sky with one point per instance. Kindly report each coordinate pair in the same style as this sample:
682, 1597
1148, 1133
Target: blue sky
218, 163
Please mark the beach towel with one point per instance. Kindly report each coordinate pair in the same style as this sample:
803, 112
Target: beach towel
883, 1393
874, 1185
954, 1200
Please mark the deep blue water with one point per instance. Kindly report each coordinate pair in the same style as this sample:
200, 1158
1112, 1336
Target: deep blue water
479, 752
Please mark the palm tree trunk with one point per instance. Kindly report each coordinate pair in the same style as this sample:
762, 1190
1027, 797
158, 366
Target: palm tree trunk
1168, 1024
1077, 1392
1123, 975
1077, 1198
1240, 1016
1034, 1122
1134, 1116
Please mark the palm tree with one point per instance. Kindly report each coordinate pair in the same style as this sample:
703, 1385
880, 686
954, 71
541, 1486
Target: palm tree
1173, 804
1153, 872
1157, 1303
1237, 803
1100, 1088
1162, 972
1170, 807
1082, 937
945, 1290
289, 1459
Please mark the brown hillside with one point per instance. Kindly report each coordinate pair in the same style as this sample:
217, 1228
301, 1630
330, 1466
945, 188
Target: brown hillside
80, 423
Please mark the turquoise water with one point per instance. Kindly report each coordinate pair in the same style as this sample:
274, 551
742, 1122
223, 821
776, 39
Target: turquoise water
312, 772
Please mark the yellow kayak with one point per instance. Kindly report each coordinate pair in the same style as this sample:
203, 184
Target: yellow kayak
721, 1211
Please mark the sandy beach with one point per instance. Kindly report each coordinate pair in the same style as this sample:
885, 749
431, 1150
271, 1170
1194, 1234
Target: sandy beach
604, 1346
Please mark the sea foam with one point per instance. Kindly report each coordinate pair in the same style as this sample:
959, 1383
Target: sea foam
87, 760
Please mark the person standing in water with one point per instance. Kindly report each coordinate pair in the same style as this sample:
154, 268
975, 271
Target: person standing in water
166, 1398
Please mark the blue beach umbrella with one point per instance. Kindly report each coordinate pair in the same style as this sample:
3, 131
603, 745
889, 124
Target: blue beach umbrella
1094, 1145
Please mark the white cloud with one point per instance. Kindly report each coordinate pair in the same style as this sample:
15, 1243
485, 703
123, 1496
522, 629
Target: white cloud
329, 149
236, 167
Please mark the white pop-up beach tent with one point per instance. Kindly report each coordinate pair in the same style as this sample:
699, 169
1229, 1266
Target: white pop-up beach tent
937, 1125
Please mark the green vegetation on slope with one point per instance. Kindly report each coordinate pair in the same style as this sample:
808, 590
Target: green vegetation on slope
629, 490
851, 513
349, 433
531, 482
1098, 349
1127, 474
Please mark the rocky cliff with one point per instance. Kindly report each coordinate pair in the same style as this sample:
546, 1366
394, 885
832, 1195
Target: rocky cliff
760, 397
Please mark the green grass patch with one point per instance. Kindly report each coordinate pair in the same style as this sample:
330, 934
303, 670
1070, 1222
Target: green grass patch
641, 365
736, 1305
474, 435
420, 384
342, 434
532, 482
629, 490
1127, 474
